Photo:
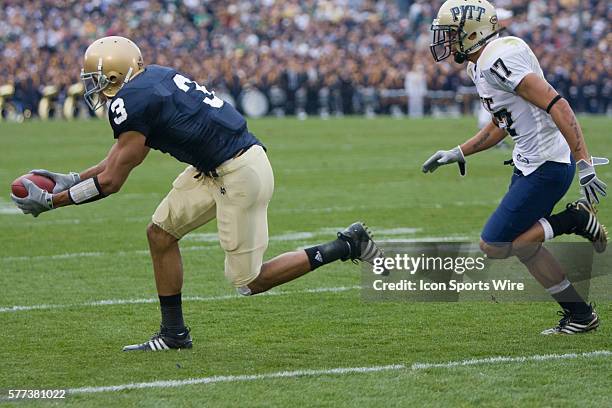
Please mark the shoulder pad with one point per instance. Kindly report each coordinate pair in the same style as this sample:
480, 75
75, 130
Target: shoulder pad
500, 48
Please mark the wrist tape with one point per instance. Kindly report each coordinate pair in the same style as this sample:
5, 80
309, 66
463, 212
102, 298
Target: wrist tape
86, 191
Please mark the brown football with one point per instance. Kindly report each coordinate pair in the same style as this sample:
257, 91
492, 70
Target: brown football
41, 181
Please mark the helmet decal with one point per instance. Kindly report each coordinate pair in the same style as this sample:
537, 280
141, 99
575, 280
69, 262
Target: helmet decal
471, 12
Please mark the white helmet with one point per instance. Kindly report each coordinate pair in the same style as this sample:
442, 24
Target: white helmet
464, 26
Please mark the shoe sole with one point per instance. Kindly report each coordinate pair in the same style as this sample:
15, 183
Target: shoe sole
601, 242
366, 247
562, 333
128, 350
593, 325
136, 347
374, 250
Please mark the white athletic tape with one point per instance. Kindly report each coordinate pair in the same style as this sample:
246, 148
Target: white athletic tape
85, 190
548, 230
334, 371
559, 287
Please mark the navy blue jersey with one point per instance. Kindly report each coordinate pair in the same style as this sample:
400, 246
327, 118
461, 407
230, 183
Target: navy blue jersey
180, 117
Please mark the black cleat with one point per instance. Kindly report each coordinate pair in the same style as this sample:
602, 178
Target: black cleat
363, 248
592, 230
162, 341
574, 324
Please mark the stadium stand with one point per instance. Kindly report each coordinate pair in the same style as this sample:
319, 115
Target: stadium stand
306, 57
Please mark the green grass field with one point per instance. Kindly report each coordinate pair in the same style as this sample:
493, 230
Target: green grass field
328, 174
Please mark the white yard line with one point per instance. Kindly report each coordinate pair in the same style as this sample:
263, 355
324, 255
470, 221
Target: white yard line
305, 235
381, 235
334, 371
56, 256
502, 359
7, 208
113, 302
70, 255
451, 238
235, 378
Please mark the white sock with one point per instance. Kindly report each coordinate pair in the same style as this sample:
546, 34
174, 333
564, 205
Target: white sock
559, 287
548, 231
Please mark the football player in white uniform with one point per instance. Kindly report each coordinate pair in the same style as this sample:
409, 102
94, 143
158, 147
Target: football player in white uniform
548, 146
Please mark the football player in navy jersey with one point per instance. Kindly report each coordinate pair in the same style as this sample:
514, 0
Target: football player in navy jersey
228, 178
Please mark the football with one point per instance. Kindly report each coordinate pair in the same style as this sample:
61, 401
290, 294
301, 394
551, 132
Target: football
43, 182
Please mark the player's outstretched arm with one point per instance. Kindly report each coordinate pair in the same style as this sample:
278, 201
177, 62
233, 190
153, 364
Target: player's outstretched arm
129, 151
98, 168
488, 137
540, 93
63, 182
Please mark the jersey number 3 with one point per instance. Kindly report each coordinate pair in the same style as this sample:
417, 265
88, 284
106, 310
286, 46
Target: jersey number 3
209, 97
118, 108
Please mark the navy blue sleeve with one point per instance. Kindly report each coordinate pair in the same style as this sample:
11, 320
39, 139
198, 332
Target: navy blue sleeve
129, 111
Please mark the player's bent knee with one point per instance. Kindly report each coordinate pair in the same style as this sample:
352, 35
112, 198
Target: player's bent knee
526, 252
158, 237
496, 251
243, 270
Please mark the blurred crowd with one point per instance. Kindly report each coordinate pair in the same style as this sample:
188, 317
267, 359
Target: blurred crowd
297, 52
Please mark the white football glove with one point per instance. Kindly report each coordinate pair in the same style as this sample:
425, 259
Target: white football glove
590, 185
442, 157
62, 181
37, 201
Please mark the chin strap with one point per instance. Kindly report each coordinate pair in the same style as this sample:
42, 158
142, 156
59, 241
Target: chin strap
461, 56
128, 76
